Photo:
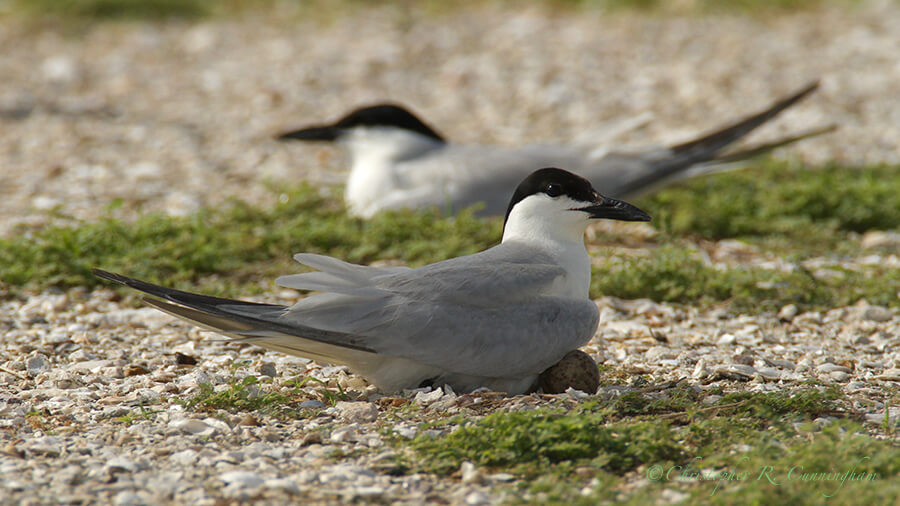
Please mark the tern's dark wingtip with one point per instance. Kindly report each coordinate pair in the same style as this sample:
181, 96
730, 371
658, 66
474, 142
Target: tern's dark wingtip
100, 273
810, 87
285, 136
110, 276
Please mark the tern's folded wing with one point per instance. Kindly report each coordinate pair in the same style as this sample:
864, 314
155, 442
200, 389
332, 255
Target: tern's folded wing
503, 275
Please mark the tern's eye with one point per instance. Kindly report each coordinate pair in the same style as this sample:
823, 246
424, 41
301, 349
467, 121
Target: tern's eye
553, 189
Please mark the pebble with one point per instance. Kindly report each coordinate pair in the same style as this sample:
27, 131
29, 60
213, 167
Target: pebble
182, 359
283, 484
59, 69
876, 239
840, 376
129, 498
184, 458
242, 479
700, 370
477, 497
405, 430
268, 369
889, 375
193, 379
193, 426
45, 447
357, 412
121, 464
769, 373
830, 368
736, 371
470, 474
656, 353
876, 314
427, 398
788, 312
37, 364
726, 340
134, 370
343, 434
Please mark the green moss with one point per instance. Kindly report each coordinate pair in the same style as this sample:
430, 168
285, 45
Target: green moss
529, 442
245, 395
117, 9
238, 248
780, 198
675, 273
724, 452
238, 242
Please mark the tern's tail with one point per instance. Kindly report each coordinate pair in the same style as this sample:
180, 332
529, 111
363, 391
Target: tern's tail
249, 321
708, 149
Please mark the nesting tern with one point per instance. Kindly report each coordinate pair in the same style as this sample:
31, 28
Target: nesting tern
399, 161
493, 319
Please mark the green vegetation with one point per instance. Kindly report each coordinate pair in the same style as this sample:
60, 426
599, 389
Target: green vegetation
673, 273
732, 450
780, 199
254, 395
116, 9
141, 414
530, 443
240, 396
238, 248
243, 242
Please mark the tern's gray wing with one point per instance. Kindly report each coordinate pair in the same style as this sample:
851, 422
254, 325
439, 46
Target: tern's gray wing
456, 176
626, 175
500, 276
487, 314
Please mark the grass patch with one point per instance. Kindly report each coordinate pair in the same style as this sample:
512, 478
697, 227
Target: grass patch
116, 9
240, 396
725, 451
142, 414
528, 443
240, 242
673, 273
239, 249
253, 395
778, 198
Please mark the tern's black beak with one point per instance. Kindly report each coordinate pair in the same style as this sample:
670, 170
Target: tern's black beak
612, 209
318, 133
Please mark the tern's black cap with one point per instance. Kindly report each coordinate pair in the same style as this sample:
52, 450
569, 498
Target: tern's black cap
558, 182
386, 115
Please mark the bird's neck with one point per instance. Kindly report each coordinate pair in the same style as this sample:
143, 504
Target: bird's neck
374, 165
565, 244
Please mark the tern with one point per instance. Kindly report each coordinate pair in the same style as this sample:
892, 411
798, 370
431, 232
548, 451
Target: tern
399, 161
494, 319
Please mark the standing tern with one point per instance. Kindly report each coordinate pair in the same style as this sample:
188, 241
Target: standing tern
493, 319
398, 161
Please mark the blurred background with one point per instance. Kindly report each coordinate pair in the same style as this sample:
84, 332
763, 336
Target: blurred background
171, 104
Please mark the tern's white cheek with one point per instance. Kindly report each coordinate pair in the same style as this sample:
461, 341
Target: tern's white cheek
540, 218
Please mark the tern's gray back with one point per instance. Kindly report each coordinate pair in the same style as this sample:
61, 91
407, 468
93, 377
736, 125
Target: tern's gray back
488, 311
465, 175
